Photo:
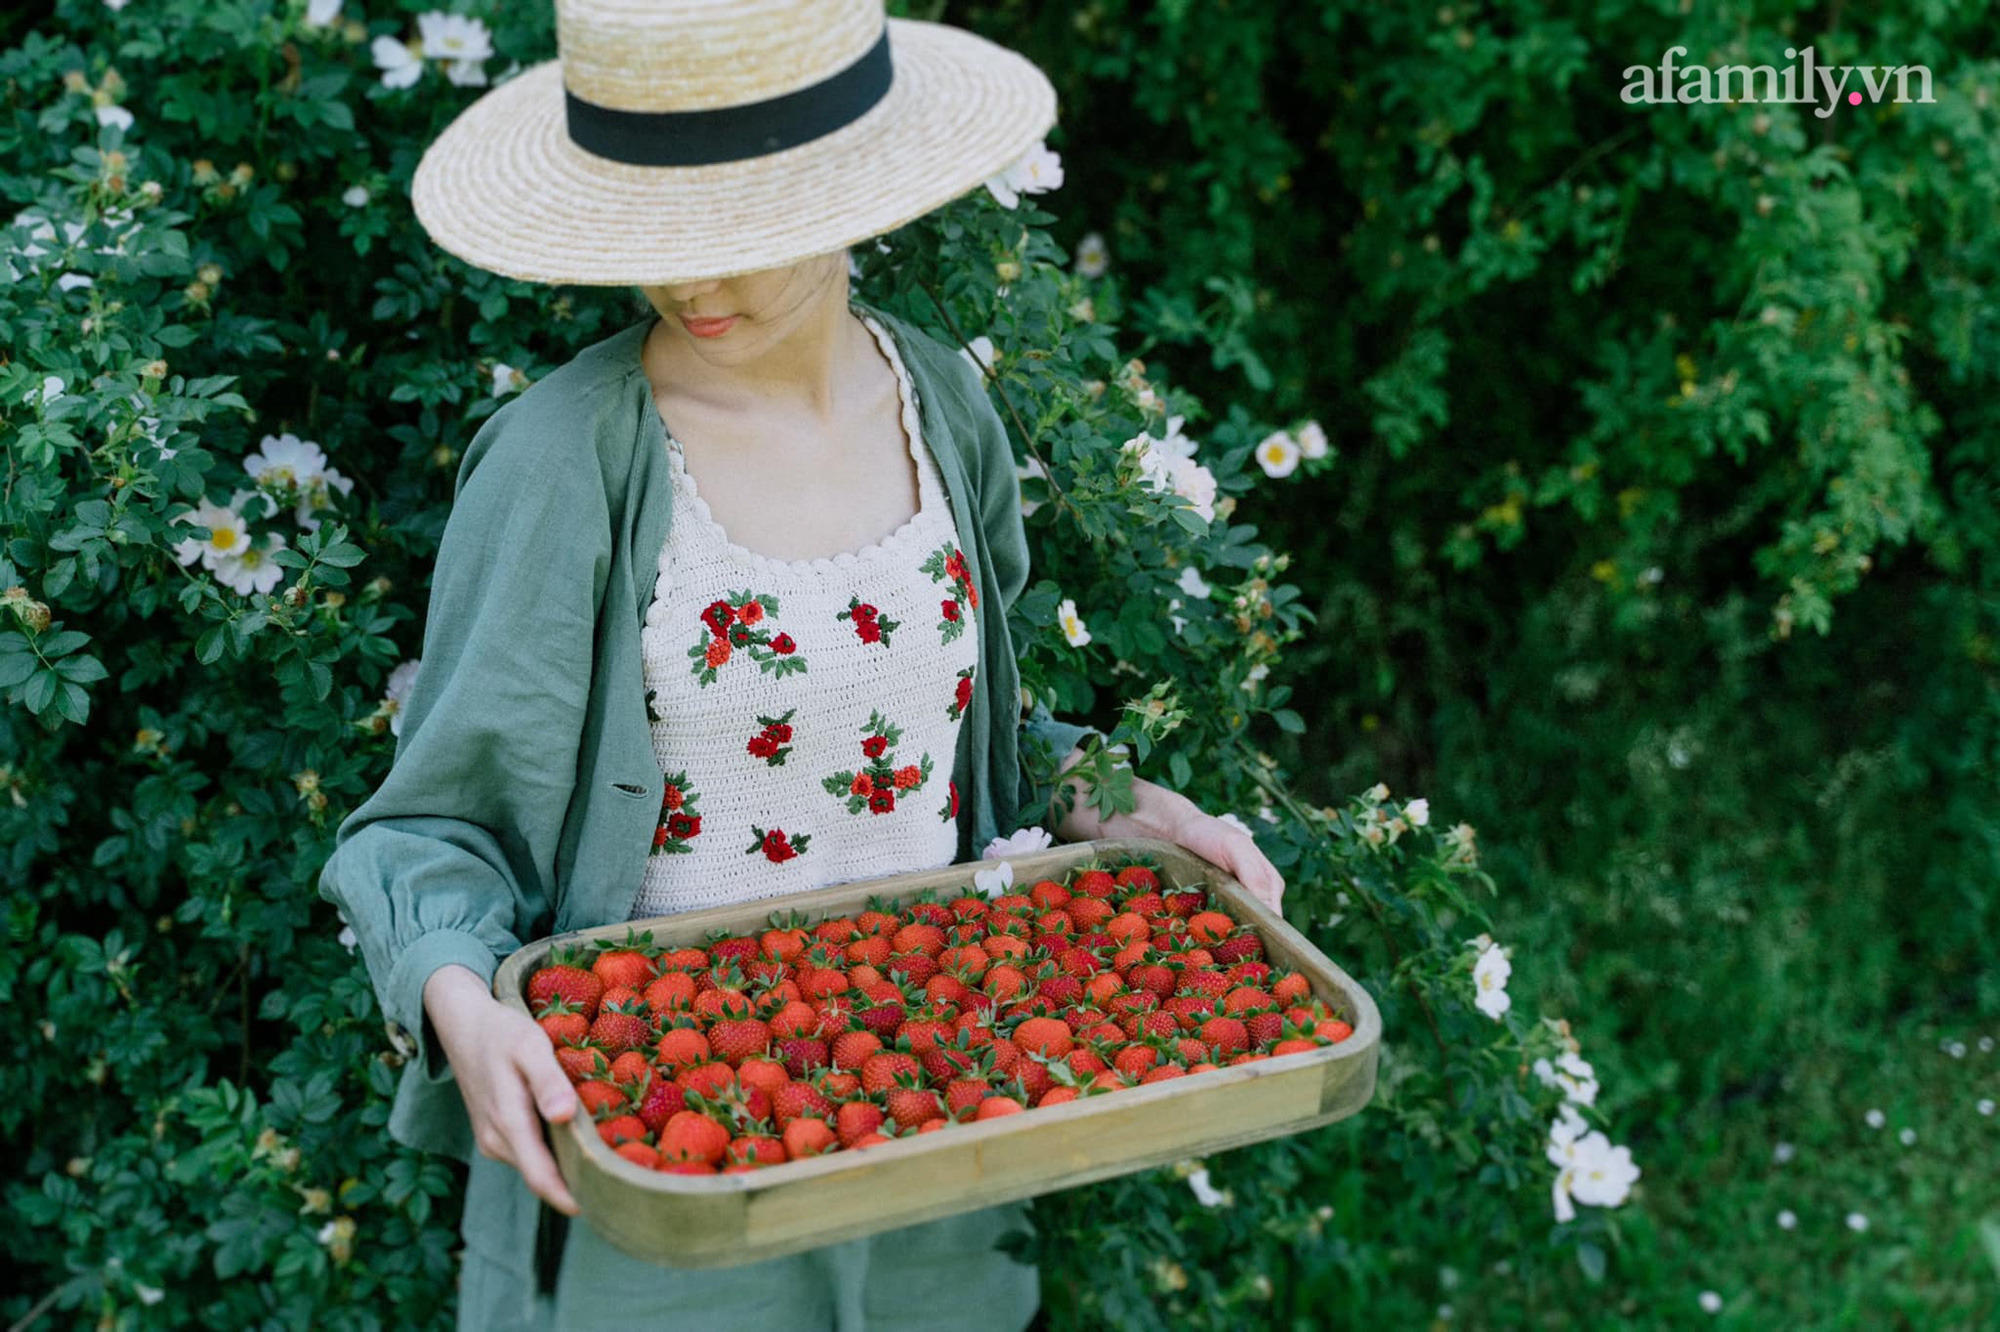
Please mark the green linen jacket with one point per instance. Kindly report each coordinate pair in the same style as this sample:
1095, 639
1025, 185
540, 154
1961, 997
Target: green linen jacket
523, 794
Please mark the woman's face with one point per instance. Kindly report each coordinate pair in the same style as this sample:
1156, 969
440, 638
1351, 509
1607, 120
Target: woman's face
764, 307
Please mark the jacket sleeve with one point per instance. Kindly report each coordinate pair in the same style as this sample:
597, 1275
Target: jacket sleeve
452, 858
1041, 732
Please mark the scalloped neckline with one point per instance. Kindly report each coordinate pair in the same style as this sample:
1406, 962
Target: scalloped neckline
928, 504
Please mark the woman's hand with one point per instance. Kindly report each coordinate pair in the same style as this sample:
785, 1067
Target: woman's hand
1170, 816
506, 1070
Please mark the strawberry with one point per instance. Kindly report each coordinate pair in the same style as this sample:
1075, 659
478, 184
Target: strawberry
734, 1040
573, 985
623, 1128
1290, 988
1162, 1073
1135, 1059
915, 968
723, 1002
710, 1079
1048, 893
963, 1095
1250, 972
564, 1022
1044, 1036
756, 1151
803, 1054
639, 1154
734, 948
1138, 878
798, 1098
1088, 913
795, 1018
597, 1097
1294, 1045
995, 1106
929, 913
1264, 1027
808, 1135
1190, 1010
1210, 926
857, 1120
583, 1062
1334, 1029
681, 1047
623, 967
1186, 902
839, 1083
1238, 948
836, 929
1246, 999
684, 959
879, 1071
821, 982
850, 1048
876, 922
1204, 981
663, 1099
622, 1027
910, 1106
883, 1019
762, 1073
1094, 883
690, 1136
920, 937
631, 1069
1033, 1076
1225, 1035
670, 993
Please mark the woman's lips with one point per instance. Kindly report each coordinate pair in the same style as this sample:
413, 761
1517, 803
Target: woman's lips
708, 328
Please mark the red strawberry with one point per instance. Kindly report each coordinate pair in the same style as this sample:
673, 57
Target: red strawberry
920, 937
582, 1062
1138, 877
883, 1019
1153, 977
1094, 883
631, 1068
684, 959
623, 967
916, 968
1186, 903
850, 1048
1238, 948
1264, 1027
803, 1054
564, 1022
759, 1151
808, 1136
737, 1039
1225, 1035
910, 1106
622, 1027
680, 1047
1190, 1010
597, 1097
736, 948
798, 1098
573, 985
929, 913
856, 1120
663, 1099
689, 1136
622, 1128
879, 1070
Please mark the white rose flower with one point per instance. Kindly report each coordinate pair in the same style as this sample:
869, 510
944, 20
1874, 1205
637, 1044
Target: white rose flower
1857, 1223
1192, 582
1092, 256
114, 115
229, 532
396, 692
1573, 1074
995, 882
1254, 676
251, 568
1788, 1220
460, 41
507, 379
1072, 624
355, 196
71, 281
1711, 1303
1018, 843
1205, 1192
1489, 979
1312, 440
400, 65
319, 13
1418, 812
1036, 171
1278, 454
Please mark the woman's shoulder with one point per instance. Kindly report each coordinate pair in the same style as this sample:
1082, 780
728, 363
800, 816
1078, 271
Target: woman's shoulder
576, 425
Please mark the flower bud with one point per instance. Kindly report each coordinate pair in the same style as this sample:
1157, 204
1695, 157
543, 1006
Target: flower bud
154, 369
209, 273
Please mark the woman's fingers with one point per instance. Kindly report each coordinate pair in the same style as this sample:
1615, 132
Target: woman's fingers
554, 1097
1237, 852
522, 1128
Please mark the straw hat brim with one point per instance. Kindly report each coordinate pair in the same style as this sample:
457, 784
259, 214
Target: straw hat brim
505, 189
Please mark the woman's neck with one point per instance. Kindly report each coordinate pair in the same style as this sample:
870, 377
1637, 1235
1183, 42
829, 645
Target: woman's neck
802, 359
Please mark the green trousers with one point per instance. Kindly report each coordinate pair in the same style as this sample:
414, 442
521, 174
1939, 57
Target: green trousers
887, 1282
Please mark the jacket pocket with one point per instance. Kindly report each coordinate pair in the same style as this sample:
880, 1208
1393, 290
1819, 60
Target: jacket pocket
632, 789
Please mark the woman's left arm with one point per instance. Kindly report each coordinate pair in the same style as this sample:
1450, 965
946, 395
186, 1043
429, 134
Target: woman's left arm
1172, 817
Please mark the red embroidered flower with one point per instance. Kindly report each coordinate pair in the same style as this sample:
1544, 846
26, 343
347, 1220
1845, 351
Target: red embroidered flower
776, 848
962, 698
750, 612
953, 786
660, 836
763, 746
864, 611
783, 645
949, 608
875, 746
779, 731
674, 799
955, 566
718, 652
718, 617
861, 785
684, 825
907, 777
869, 630
881, 802
971, 594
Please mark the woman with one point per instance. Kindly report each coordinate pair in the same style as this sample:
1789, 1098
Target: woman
740, 549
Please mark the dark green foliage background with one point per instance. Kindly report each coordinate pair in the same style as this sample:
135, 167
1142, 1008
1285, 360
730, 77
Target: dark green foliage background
1660, 547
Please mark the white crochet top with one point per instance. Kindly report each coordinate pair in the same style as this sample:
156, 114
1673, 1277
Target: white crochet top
806, 712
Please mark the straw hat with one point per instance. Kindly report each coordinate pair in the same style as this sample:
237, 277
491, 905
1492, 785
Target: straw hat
678, 140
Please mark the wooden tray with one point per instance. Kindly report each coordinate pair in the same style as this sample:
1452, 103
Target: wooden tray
725, 1220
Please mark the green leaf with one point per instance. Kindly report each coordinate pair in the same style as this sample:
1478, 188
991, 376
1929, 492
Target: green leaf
1290, 721
40, 691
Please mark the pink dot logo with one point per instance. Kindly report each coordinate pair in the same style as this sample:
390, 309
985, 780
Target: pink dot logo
1854, 99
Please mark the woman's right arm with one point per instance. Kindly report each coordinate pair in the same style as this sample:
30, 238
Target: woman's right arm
450, 864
